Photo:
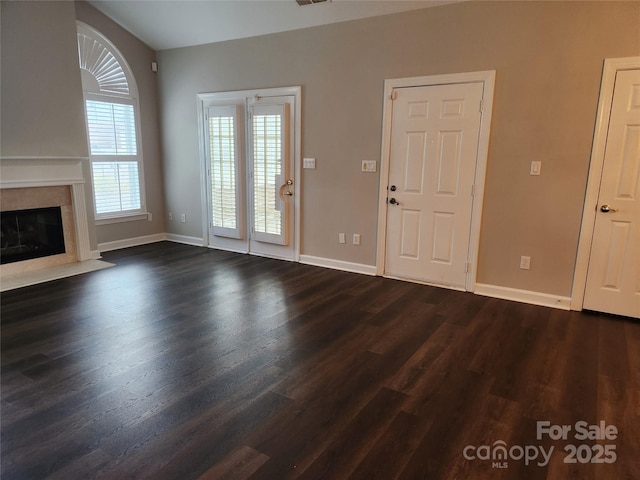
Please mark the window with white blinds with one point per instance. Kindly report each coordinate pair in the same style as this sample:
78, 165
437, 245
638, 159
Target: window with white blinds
267, 169
113, 127
117, 186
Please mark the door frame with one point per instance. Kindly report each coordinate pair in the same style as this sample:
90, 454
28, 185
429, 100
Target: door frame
242, 97
487, 78
610, 69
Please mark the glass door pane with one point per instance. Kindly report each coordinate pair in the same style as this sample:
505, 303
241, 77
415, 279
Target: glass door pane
224, 168
270, 165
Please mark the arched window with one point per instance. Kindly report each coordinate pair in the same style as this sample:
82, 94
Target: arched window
113, 126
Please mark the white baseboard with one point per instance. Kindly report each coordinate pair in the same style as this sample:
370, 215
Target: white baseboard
338, 265
131, 242
524, 296
195, 241
95, 255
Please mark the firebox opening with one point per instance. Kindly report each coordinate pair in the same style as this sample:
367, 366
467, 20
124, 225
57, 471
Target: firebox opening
31, 233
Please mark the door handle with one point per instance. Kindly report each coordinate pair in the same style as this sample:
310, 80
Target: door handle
606, 209
393, 201
287, 186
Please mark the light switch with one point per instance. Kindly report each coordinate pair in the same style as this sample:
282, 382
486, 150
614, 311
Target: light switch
369, 165
309, 163
536, 166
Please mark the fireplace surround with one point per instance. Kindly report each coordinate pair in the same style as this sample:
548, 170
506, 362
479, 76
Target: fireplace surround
39, 182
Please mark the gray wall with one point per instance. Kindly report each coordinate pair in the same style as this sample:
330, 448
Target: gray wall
42, 106
548, 58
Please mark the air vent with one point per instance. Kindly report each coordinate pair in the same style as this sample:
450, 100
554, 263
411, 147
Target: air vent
302, 3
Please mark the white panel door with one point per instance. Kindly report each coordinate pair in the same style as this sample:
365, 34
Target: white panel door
613, 278
434, 146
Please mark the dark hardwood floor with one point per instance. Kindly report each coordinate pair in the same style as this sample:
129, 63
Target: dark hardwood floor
186, 363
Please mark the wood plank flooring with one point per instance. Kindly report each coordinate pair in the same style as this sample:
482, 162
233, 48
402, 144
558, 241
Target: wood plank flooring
188, 363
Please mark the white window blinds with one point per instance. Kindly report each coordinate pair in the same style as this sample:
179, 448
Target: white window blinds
114, 157
117, 186
267, 167
224, 167
270, 164
223, 171
112, 128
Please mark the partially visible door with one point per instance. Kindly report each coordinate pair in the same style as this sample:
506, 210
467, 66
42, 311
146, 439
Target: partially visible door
613, 278
434, 146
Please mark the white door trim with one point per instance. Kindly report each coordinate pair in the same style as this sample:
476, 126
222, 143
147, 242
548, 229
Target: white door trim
244, 96
611, 67
488, 80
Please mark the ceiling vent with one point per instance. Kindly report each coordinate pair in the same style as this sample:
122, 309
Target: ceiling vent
302, 3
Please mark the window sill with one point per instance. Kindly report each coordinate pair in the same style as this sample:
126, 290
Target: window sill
124, 218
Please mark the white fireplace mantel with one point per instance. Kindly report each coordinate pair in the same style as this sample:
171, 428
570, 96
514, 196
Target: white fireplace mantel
24, 172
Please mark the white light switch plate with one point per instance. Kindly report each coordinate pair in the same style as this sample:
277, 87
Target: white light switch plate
536, 166
369, 165
309, 163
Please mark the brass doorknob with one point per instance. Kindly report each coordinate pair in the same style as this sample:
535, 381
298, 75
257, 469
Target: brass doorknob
606, 209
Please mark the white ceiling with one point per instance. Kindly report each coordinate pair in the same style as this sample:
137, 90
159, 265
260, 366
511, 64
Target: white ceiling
164, 24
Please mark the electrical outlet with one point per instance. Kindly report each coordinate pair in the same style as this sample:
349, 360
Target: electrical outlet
183, 217
342, 238
525, 262
170, 217
356, 239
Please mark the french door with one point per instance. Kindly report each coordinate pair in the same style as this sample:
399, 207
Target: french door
250, 146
